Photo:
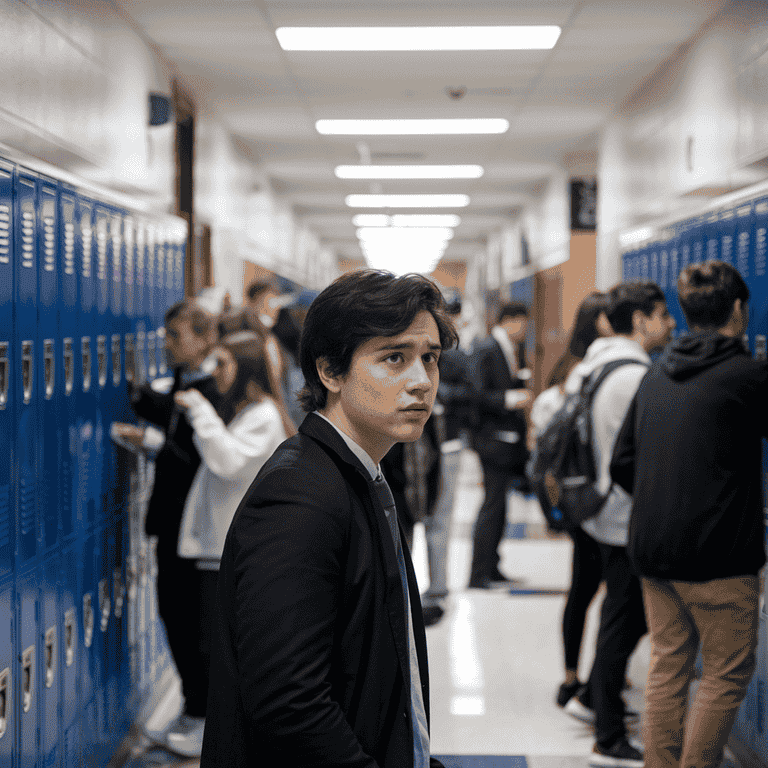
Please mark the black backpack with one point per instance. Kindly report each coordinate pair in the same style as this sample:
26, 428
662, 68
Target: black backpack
562, 468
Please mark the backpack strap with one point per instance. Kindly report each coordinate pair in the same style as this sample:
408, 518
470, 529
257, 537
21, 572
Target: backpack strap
591, 383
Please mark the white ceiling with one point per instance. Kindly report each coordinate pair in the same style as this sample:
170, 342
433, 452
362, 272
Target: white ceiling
556, 101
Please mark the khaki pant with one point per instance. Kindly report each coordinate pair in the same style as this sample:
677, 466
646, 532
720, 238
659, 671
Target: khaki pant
723, 614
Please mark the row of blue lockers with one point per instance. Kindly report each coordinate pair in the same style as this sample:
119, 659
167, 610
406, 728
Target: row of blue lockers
84, 286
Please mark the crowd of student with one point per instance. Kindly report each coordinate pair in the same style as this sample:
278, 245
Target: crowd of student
295, 624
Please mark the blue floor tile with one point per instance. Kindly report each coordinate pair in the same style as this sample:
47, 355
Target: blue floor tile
483, 761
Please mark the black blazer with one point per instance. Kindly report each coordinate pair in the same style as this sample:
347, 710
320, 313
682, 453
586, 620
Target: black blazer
491, 378
309, 661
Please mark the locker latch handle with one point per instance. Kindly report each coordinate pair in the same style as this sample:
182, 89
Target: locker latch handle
88, 620
101, 359
86, 350
27, 678
761, 347
140, 347
118, 590
4, 377
49, 355
5, 700
152, 354
69, 366
70, 636
162, 363
117, 362
104, 604
27, 370
130, 357
50, 657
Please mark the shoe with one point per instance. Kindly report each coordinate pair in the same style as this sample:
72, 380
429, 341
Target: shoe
576, 708
567, 691
186, 736
432, 614
621, 755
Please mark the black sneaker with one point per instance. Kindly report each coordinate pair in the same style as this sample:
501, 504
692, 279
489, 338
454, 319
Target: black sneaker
567, 691
432, 614
621, 755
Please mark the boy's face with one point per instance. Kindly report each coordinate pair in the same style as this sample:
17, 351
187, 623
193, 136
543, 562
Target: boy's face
388, 393
183, 347
515, 327
658, 326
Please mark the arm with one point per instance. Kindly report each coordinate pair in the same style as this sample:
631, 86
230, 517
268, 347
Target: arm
288, 548
153, 406
624, 452
487, 396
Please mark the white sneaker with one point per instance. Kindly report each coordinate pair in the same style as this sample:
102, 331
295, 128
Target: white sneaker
186, 736
576, 709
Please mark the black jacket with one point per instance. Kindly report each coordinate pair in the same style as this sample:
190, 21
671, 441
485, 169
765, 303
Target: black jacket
490, 377
309, 661
690, 453
455, 392
177, 461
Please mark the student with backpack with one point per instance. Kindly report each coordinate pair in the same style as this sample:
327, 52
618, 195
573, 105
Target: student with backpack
639, 317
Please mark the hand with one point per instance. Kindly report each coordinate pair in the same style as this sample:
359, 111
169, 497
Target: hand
517, 399
187, 398
130, 433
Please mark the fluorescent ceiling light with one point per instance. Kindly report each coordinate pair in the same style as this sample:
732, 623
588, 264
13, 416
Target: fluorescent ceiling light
406, 220
371, 220
405, 234
409, 171
412, 127
407, 201
517, 38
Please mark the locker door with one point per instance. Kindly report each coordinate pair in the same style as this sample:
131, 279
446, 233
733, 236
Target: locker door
711, 238
653, 266
674, 269
727, 233
7, 399
49, 642
49, 365
160, 283
697, 236
151, 305
103, 609
87, 614
27, 672
645, 262
8, 669
70, 618
758, 280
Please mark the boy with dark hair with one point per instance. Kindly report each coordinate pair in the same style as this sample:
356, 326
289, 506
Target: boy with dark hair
690, 454
319, 656
499, 376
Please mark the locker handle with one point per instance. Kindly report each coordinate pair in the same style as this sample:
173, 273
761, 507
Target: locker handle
49, 356
162, 363
761, 347
50, 657
118, 590
117, 363
69, 366
70, 634
27, 370
87, 620
130, 357
104, 604
101, 359
5, 700
152, 354
4, 377
27, 678
85, 344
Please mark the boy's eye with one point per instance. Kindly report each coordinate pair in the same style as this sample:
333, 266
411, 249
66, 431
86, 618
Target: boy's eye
394, 357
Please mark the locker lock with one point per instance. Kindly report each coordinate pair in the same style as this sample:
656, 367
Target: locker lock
118, 591
4, 375
101, 359
105, 606
69, 366
50, 657
70, 635
88, 620
27, 678
117, 363
27, 370
49, 355
85, 344
5, 700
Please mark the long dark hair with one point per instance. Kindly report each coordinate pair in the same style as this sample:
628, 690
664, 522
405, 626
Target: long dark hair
585, 325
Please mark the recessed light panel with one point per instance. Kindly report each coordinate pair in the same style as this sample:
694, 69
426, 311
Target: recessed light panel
409, 171
412, 127
407, 201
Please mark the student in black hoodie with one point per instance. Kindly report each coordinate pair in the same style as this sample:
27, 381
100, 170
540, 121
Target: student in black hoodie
690, 454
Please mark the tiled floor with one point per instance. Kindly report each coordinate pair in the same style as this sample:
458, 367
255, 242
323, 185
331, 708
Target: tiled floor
496, 658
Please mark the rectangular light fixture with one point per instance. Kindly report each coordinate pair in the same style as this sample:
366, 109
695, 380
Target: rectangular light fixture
507, 38
412, 127
371, 220
406, 220
407, 201
409, 171
404, 234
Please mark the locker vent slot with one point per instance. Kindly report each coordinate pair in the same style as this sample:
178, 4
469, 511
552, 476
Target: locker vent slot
5, 700
117, 361
5, 227
86, 358
27, 678
69, 366
87, 620
101, 358
4, 374
27, 370
70, 636
50, 657
49, 356
105, 605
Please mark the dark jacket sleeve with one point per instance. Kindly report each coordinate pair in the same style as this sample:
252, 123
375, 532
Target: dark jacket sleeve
487, 396
624, 452
155, 407
288, 556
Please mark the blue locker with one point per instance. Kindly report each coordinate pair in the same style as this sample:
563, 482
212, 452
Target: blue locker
103, 608
69, 660
49, 642
743, 238
697, 235
170, 271
757, 279
23, 363
728, 239
49, 389
87, 651
160, 283
69, 334
7, 396
7, 672
179, 264
644, 267
711, 226
653, 267
27, 672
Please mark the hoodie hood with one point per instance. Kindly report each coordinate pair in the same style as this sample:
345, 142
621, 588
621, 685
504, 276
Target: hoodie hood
695, 352
600, 352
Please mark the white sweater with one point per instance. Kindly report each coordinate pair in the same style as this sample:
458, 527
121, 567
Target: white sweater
232, 456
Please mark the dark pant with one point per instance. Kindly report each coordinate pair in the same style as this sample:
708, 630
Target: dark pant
491, 519
180, 597
622, 624
586, 574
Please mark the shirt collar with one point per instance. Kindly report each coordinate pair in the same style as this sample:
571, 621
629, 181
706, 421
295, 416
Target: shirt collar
373, 470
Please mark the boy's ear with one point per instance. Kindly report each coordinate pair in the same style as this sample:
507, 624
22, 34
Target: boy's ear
331, 383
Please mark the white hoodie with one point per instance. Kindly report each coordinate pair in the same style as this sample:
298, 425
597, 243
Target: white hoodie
609, 408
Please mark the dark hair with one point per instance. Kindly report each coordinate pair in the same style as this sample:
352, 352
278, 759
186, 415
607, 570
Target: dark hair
259, 286
200, 320
512, 309
707, 292
585, 325
625, 299
359, 306
562, 368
